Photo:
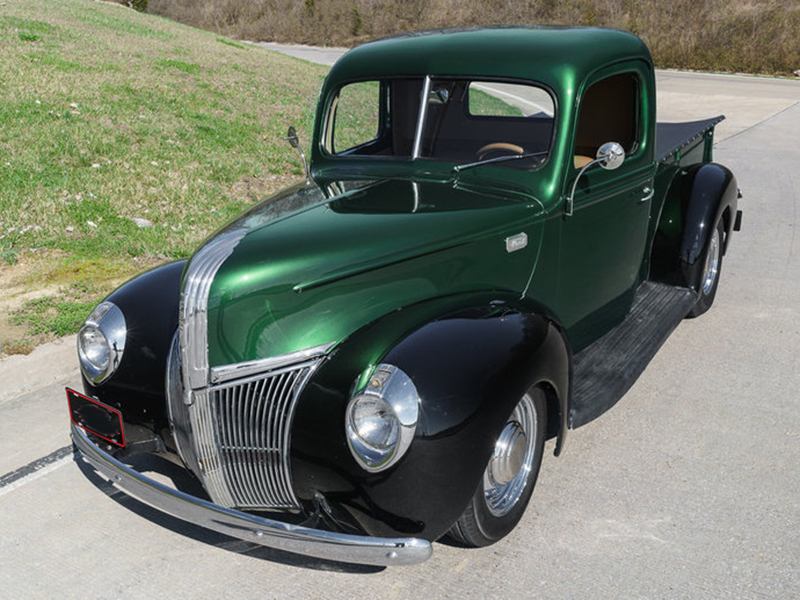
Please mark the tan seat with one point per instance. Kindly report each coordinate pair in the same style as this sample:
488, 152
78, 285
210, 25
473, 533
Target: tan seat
582, 161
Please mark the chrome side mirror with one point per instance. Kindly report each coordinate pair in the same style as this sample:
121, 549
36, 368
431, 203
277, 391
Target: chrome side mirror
609, 156
294, 140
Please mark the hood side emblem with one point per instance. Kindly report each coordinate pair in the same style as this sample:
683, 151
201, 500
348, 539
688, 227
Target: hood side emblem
516, 242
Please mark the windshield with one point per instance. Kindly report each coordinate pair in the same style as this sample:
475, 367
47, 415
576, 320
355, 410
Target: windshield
454, 120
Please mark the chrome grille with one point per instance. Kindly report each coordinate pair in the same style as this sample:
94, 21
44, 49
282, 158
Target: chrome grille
194, 306
179, 419
242, 434
232, 423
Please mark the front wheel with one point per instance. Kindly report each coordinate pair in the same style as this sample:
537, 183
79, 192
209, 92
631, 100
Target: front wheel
509, 478
707, 279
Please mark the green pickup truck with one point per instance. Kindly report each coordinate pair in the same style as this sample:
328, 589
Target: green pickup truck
493, 239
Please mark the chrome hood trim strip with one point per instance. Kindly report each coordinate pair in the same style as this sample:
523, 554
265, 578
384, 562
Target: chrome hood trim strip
200, 272
251, 528
255, 367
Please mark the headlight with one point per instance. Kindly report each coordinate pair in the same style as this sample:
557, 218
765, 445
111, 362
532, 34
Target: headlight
101, 342
373, 421
382, 418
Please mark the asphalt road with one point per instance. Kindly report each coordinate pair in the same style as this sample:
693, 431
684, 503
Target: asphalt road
688, 488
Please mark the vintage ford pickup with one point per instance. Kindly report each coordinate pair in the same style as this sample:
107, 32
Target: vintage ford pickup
493, 240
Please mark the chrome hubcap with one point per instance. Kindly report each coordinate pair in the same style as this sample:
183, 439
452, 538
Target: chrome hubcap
509, 454
712, 263
510, 466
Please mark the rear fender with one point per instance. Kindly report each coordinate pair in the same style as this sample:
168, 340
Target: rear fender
698, 197
713, 193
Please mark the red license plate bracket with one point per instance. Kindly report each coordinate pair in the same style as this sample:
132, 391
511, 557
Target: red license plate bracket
95, 417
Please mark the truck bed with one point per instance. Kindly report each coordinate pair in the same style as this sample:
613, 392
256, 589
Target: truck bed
672, 137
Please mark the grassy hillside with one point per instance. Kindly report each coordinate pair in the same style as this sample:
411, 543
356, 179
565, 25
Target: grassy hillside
757, 36
108, 116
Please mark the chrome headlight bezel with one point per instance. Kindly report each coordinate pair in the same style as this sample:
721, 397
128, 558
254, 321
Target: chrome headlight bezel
389, 400
101, 342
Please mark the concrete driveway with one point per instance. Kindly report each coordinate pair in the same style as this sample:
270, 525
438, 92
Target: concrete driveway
688, 488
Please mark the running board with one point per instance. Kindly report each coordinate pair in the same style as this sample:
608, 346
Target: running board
606, 370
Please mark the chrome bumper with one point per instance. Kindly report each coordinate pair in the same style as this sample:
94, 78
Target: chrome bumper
266, 532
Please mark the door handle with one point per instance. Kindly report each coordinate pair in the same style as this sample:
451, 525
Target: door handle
648, 192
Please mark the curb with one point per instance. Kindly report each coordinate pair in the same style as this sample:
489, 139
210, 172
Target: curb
47, 365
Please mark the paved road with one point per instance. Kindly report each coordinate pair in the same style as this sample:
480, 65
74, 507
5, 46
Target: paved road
688, 488
315, 54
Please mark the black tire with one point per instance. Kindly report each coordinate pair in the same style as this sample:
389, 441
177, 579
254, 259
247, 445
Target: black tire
705, 273
495, 509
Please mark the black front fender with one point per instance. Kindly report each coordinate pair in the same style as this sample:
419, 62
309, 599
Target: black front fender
149, 303
470, 367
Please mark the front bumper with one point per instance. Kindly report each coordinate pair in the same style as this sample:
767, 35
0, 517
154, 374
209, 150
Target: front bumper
266, 532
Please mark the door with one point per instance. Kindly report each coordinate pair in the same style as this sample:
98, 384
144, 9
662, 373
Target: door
602, 244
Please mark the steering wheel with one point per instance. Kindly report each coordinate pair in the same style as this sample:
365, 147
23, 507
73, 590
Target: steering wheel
500, 148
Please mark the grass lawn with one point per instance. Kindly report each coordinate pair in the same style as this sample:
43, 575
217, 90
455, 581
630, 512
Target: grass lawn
125, 139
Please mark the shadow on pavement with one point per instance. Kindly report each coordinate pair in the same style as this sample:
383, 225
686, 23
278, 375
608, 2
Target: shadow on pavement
183, 482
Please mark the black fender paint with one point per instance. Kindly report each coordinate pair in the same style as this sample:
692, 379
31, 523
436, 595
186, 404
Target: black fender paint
713, 191
149, 303
697, 197
470, 366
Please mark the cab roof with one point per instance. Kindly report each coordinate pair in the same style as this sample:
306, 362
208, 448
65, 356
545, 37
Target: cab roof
546, 54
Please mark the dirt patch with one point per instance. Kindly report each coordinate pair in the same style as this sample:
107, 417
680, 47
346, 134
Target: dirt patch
18, 284
255, 189
61, 279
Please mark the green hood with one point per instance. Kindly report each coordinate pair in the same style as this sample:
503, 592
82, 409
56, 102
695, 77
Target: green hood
315, 265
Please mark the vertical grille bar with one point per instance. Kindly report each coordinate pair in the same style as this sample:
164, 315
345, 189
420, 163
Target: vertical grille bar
242, 434
266, 439
279, 425
256, 453
204, 425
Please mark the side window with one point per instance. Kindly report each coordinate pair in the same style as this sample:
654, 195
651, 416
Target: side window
356, 118
609, 112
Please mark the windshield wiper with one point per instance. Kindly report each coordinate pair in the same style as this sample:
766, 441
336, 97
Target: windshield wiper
458, 168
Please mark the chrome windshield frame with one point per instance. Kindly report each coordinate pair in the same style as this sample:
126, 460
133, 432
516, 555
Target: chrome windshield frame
423, 115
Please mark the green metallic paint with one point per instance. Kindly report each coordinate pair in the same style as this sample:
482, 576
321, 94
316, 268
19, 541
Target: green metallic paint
560, 59
557, 57
330, 268
603, 244
668, 224
320, 262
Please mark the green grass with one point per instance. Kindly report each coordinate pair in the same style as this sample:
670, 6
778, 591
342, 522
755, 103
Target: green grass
357, 115
56, 316
107, 115
186, 67
483, 104
233, 44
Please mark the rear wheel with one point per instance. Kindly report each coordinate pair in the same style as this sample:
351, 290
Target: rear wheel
508, 481
707, 272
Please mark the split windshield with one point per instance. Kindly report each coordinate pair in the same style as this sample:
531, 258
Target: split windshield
455, 120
